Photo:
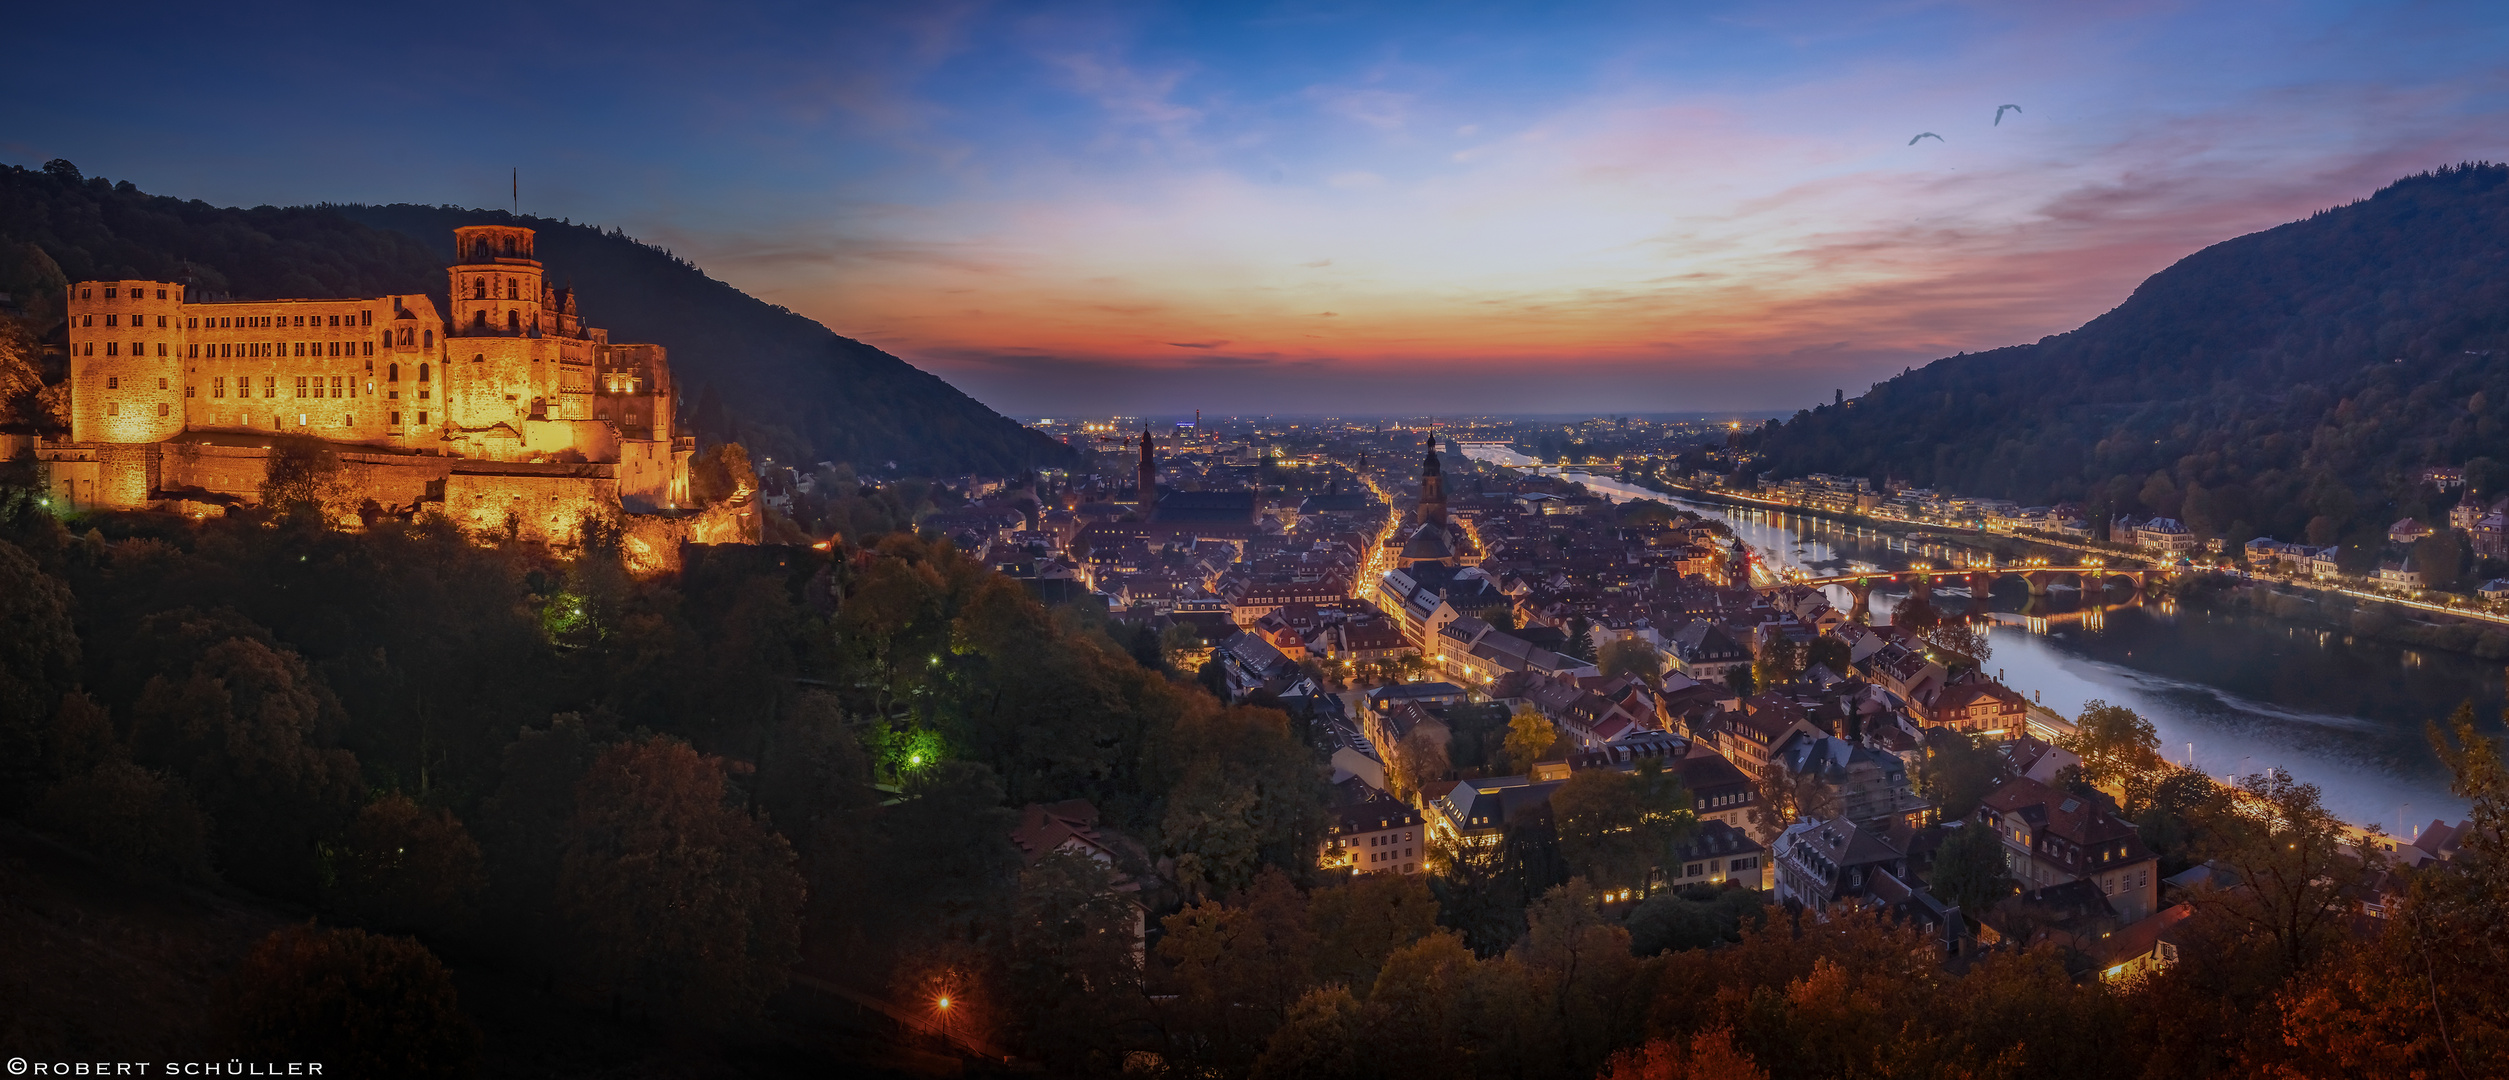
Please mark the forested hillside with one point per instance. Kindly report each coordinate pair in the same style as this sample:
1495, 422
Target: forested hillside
2289, 382
775, 380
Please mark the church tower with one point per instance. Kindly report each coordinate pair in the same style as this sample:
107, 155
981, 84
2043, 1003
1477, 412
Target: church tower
1148, 482
1432, 489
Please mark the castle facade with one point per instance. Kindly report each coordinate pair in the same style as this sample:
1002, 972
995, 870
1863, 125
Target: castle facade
501, 406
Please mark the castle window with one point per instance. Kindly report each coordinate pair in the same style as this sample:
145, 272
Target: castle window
113, 408
396, 419
335, 386
429, 337
161, 321
349, 421
218, 386
110, 348
370, 348
422, 419
300, 386
108, 292
110, 318
161, 294
395, 373
479, 319
422, 373
269, 386
191, 324
365, 318
87, 294
161, 348
479, 288
139, 348
161, 384
514, 321
113, 382
188, 390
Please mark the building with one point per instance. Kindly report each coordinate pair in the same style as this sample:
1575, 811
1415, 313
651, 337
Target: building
1818, 862
2052, 837
1718, 853
497, 408
1377, 835
2163, 534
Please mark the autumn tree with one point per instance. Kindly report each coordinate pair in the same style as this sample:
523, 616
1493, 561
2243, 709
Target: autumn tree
1237, 968
2118, 747
1829, 652
680, 901
404, 868
1530, 738
1359, 922
1420, 758
363, 1004
141, 822
1707, 1055
1778, 661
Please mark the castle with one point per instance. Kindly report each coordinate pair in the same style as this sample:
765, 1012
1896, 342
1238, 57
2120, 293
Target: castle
507, 410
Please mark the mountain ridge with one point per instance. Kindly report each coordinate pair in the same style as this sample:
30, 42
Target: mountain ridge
2263, 383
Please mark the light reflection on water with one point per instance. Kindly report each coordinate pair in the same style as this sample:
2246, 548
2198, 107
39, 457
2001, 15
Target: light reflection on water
2247, 692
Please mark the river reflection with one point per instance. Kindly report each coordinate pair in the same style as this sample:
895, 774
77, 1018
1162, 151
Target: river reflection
2247, 692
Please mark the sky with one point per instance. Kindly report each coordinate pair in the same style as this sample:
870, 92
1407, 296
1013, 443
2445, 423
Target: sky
1312, 208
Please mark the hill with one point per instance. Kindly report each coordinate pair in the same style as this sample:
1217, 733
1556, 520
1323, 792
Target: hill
751, 371
2291, 381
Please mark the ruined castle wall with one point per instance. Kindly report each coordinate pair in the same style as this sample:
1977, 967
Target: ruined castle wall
546, 504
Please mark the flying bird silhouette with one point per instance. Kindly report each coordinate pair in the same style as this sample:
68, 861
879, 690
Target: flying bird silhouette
1999, 113
1926, 135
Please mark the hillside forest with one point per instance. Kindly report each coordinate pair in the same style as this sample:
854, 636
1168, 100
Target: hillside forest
486, 788
747, 371
2289, 383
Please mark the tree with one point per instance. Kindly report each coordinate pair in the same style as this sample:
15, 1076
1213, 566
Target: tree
1631, 656
1421, 757
1530, 738
1969, 869
247, 729
1739, 679
1319, 1041
304, 477
364, 1004
1358, 923
1615, 828
1828, 652
2419, 1000
2289, 855
1580, 644
36, 658
1179, 640
1708, 1055
2116, 744
404, 868
1958, 770
680, 901
1239, 967
1778, 662
1784, 798
1074, 973
142, 822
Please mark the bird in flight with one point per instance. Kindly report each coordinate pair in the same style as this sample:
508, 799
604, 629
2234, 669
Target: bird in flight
1999, 113
1925, 135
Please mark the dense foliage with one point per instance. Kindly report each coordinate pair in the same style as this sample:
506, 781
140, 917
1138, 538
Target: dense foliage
2287, 382
747, 370
666, 797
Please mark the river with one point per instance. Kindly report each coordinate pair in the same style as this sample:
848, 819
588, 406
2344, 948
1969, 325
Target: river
2229, 693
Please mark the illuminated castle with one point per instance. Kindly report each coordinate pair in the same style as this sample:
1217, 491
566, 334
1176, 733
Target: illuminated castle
508, 409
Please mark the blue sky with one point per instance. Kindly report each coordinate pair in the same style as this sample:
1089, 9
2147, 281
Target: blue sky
1317, 208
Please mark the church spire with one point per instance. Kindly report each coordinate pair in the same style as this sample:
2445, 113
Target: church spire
1432, 488
1148, 480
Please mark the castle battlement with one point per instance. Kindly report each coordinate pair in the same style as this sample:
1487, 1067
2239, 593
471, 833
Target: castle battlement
171, 397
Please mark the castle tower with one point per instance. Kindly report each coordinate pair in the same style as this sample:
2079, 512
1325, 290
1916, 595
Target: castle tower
497, 283
1148, 481
126, 361
1432, 489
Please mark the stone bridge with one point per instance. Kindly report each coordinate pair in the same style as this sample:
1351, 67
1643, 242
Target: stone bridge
2090, 579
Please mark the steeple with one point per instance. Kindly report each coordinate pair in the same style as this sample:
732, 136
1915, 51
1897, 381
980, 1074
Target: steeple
1432, 488
1148, 481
